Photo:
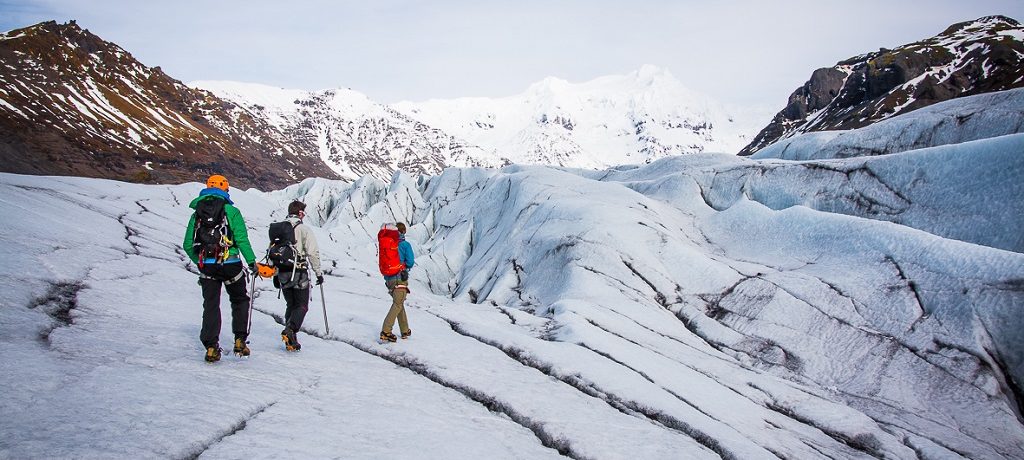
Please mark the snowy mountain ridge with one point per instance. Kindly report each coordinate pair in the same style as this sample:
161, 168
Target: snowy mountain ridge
91, 109
352, 134
620, 119
74, 104
636, 118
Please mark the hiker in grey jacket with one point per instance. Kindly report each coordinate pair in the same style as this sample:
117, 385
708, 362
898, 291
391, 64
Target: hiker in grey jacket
295, 287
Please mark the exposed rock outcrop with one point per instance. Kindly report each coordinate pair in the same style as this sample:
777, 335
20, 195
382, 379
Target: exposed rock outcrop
968, 58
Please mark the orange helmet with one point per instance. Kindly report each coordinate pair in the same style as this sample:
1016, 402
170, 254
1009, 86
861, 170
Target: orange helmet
217, 181
265, 271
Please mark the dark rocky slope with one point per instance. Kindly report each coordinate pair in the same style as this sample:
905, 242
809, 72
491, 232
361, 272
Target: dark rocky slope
968, 58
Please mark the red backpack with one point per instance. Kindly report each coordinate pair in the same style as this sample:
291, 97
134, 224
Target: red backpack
387, 250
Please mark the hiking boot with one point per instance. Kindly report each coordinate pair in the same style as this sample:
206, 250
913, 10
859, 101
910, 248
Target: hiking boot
387, 337
212, 354
241, 348
406, 334
291, 343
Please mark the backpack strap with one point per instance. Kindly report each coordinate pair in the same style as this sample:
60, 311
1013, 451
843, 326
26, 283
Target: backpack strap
300, 259
233, 279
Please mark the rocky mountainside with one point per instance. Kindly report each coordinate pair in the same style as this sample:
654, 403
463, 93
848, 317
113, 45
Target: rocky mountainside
966, 59
352, 134
619, 119
74, 104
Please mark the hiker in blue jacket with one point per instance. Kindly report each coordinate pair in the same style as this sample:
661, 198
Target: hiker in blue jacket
398, 286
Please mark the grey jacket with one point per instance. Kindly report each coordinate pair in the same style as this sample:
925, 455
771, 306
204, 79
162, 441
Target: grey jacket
305, 245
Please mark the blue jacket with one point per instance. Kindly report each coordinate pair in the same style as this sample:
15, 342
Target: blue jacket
405, 252
404, 255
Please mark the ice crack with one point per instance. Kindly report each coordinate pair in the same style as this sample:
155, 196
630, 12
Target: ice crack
58, 303
561, 445
627, 407
199, 450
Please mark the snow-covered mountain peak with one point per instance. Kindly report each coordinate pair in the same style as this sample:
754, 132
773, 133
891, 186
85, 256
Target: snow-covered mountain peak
987, 22
548, 86
966, 33
643, 85
633, 85
650, 74
968, 58
618, 119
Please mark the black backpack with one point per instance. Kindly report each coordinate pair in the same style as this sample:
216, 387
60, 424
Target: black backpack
212, 237
281, 253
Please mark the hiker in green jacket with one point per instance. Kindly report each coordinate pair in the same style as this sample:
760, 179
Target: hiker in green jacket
216, 234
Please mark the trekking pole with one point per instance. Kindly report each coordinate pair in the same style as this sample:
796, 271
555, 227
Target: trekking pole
324, 303
252, 299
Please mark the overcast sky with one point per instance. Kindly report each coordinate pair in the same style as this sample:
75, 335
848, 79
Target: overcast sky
743, 52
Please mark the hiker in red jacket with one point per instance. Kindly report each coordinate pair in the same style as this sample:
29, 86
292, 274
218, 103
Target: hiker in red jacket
397, 259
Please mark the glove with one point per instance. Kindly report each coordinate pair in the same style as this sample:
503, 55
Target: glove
252, 267
405, 275
319, 279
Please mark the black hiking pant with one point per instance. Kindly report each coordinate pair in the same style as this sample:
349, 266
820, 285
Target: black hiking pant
218, 275
296, 300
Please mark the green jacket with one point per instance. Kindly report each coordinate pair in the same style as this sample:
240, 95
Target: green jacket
236, 225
